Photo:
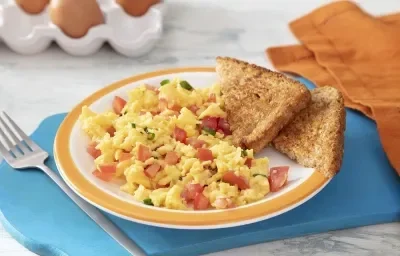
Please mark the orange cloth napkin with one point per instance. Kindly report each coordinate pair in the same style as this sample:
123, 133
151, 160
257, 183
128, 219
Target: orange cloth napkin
344, 47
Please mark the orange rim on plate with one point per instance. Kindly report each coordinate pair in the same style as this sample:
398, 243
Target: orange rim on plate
151, 215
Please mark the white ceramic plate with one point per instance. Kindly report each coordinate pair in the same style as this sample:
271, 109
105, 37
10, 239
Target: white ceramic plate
75, 166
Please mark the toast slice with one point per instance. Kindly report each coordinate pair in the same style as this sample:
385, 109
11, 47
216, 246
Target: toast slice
315, 138
258, 101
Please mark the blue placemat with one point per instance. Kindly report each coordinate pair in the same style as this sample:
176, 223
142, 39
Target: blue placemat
43, 219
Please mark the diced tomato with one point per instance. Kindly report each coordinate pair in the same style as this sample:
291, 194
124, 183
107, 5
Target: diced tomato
162, 104
231, 178
108, 168
152, 88
125, 156
231, 204
118, 104
152, 170
212, 97
144, 153
162, 186
248, 162
196, 143
103, 176
201, 202
171, 158
154, 113
278, 177
224, 126
180, 134
175, 107
193, 108
91, 149
210, 122
204, 154
220, 131
190, 191
111, 131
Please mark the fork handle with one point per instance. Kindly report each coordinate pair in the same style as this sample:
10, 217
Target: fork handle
95, 214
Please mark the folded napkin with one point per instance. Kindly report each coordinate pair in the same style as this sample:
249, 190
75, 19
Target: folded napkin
345, 47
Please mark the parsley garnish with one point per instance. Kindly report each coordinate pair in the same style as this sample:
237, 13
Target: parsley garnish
151, 136
148, 201
133, 125
244, 153
209, 130
164, 82
185, 85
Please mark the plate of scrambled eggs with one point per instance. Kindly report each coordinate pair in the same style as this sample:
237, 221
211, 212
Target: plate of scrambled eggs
157, 149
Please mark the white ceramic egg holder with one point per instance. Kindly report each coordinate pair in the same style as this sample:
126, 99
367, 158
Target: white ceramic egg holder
131, 36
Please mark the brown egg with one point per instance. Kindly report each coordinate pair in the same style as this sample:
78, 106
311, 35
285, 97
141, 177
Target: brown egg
75, 17
32, 6
137, 7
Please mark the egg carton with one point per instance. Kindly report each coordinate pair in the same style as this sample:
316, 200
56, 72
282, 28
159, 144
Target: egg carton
131, 36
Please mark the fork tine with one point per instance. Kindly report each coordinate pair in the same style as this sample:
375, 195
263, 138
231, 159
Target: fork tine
5, 153
11, 136
20, 133
8, 144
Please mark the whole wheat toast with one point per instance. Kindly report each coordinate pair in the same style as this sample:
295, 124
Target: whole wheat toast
258, 101
315, 138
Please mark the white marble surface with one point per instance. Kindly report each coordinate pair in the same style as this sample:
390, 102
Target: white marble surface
33, 87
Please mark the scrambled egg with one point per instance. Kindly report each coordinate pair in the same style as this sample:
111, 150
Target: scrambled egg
172, 149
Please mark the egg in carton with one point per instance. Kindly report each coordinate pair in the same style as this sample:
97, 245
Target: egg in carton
132, 34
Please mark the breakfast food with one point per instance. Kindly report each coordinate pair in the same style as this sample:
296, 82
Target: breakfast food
178, 147
75, 17
172, 147
315, 138
32, 6
136, 7
258, 102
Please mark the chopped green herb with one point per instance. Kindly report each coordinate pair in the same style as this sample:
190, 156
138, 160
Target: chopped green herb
126, 112
164, 82
148, 201
180, 178
155, 157
146, 130
254, 175
151, 136
244, 153
209, 130
133, 125
185, 85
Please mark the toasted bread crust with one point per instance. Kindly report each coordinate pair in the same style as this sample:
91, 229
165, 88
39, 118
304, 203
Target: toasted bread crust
315, 138
259, 102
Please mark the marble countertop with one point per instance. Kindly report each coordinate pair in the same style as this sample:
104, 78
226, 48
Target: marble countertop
195, 33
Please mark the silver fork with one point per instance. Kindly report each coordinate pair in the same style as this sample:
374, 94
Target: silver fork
20, 152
